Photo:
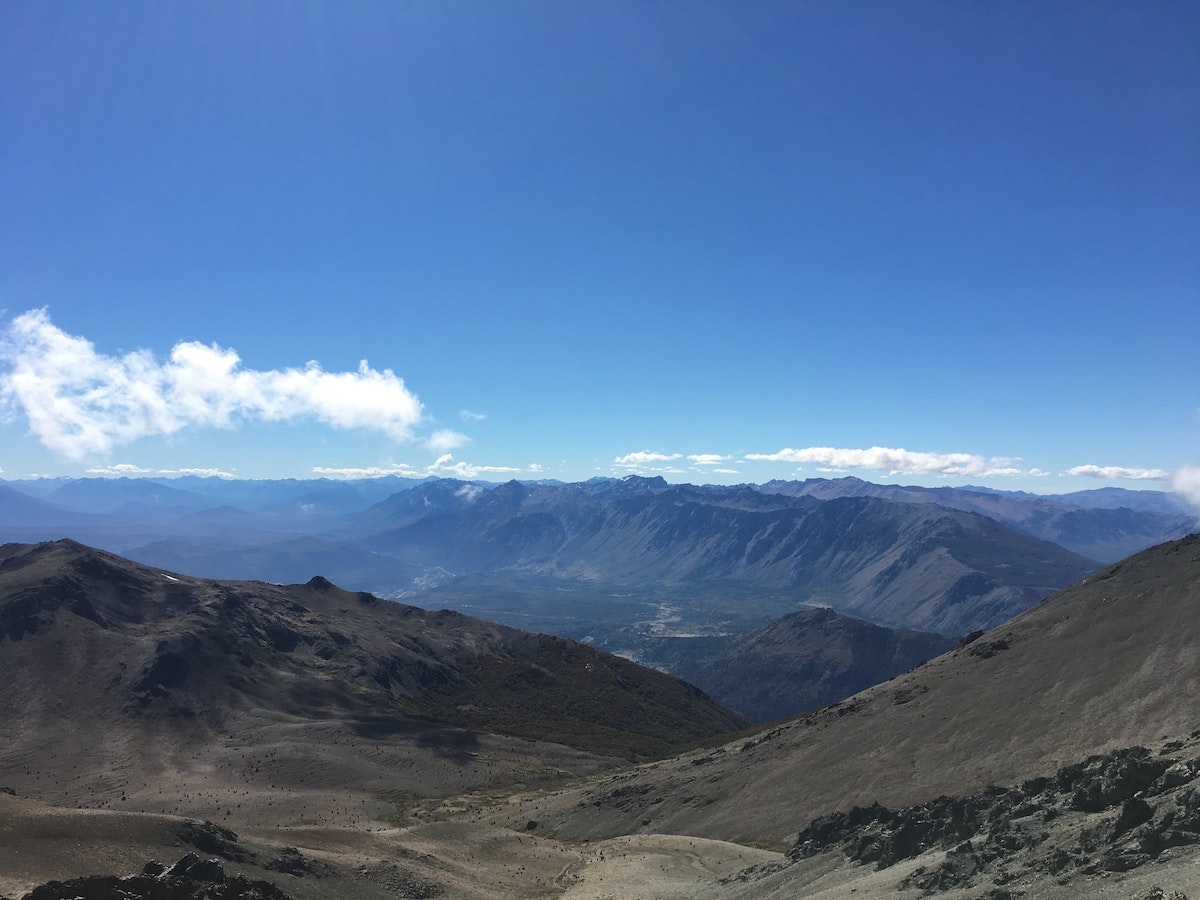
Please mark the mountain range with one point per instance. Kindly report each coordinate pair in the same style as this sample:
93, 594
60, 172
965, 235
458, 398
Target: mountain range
1105, 524
670, 575
902, 557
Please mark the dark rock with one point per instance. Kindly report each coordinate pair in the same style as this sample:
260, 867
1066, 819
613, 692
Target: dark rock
215, 840
202, 885
1123, 862
1133, 813
207, 870
988, 649
989, 833
1102, 782
181, 868
1176, 775
292, 862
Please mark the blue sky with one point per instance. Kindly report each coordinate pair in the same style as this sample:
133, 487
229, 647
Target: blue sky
926, 242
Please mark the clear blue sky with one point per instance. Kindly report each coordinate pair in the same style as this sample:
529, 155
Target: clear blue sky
578, 239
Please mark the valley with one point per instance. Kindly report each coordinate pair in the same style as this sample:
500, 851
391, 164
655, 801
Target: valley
325, 741
671, 576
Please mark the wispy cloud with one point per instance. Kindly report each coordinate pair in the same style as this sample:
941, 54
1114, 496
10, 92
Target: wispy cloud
1186, 481
400, 470
642, 458
1119, 472
446, 466
445, 440
127, 470
81, 403
897, 461
467, 416
469, 492
707, 459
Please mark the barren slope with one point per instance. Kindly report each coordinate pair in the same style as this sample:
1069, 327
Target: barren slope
132, 688
1109, 663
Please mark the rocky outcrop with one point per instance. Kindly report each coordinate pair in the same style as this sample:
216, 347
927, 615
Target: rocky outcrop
1109, 813
192, 878
215, 841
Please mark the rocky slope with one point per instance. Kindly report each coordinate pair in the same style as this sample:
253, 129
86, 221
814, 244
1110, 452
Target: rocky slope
117, 672
1108, 663
1110, 813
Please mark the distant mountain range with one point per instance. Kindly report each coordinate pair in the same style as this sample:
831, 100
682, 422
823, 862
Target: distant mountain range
901, 564
594, 559
1106, 524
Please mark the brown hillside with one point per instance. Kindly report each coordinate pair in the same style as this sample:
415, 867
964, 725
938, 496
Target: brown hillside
1111, 662
133, 688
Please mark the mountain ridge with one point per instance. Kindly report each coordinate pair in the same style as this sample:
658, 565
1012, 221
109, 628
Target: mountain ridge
386, 535
139, 646
898, 564
1107, 524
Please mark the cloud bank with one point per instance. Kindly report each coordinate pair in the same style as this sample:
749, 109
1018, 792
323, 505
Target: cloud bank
444, 466
897, 461
81, 403
1112, 472
127, 470
644, 458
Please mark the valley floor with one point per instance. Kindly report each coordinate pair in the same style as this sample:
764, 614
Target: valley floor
468, 860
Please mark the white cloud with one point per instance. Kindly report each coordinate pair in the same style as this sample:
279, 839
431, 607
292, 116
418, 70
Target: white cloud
1186, 481
726, 472
127, 470
445, 440
119, 470
895, 461
707, 459
81, 403
469, 416
445, 466
1123, 472
643, 458
469, 492
401, 470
